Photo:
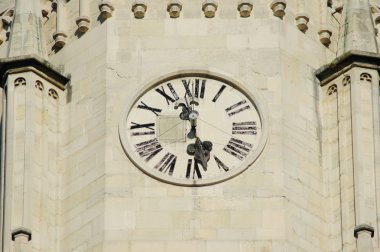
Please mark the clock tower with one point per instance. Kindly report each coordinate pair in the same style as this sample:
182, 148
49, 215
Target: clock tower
206, 125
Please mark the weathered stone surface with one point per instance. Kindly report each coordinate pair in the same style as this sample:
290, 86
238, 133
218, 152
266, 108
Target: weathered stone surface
313, 181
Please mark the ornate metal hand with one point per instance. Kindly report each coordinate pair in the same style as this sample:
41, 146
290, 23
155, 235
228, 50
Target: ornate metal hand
201, 152
188, 113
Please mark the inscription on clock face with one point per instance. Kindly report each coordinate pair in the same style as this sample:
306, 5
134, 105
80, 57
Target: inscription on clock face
216, 133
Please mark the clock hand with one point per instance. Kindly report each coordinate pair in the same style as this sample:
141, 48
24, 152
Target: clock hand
201, 152
188, 113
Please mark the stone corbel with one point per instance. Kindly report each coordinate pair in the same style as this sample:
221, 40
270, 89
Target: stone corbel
83, 21
139, 7
106, 8
60, 38
60, 35
325, 36
245, 8
174, 8
209, 7
302, 20
278, 7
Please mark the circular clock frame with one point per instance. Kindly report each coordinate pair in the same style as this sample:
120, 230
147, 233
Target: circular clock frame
248, 162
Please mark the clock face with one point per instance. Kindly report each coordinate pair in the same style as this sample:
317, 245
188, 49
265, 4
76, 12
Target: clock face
193, 129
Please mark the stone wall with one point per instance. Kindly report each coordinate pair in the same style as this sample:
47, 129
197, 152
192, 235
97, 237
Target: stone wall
282, 202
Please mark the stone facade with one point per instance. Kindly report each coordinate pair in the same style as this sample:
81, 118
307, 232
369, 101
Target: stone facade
68, 185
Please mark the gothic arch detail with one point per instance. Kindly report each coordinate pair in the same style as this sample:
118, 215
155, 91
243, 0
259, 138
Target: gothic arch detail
52, 93
39, 85
20, 82
346, 80
366, 77
332, 89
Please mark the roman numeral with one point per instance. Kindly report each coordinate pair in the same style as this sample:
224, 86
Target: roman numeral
186, 85
142, 126
238, 148
237, 108
244, 128
166, 96
219, 93
148, 149
202, 90
196, 173
144, 106
167, 163
220, 164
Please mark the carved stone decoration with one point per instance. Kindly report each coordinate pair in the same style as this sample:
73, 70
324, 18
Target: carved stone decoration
59, 39
245, 8
174, 8
21, 237
377, 22
278, 7
302, 20
83, 23
106, 8
54, 4
366, 77
5, 23
332, 89
346, 80
52, 93
39, 85
209, 8
364, 234
139, 7
325, 36
21, 232
20, 82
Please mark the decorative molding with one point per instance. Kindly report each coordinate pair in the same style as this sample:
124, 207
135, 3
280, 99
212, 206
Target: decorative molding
302, 20
53, 94
174, 8
139, 7
325, 36
20, 82
39, 85
245, 8
21, 231
366, 77
35, 64
332, 89
106, 8
278, 7
346, 80
345, 62
364, 227
209, 7
60, 39
83, 23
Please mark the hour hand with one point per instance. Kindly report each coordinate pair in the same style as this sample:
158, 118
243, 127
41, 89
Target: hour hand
201, 152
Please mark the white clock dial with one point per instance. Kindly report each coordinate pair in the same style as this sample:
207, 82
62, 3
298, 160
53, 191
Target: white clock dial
193, 129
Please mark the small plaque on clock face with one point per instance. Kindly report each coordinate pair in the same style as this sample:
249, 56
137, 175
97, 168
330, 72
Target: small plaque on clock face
171, 128
193, 129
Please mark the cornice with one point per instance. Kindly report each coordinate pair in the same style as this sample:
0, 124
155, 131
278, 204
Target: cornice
346, 62
36, 64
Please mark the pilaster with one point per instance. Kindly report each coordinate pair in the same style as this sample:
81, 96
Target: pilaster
34, 94
356, 76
